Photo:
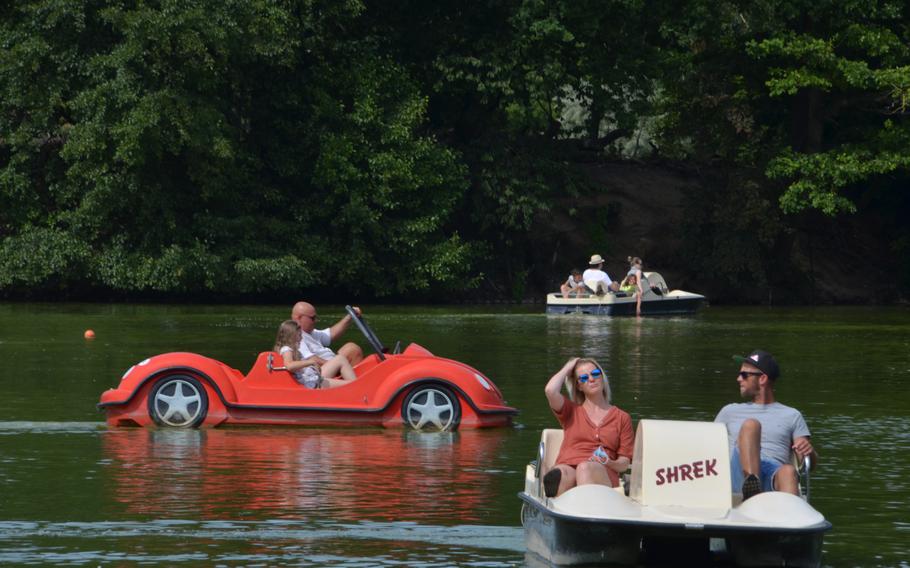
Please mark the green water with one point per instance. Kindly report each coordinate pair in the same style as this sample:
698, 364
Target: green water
73, 492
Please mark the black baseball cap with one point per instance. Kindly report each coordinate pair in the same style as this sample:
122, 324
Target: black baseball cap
762, 360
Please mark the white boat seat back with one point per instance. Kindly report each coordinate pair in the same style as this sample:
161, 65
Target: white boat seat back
598, 287
552, 440
655, 280
681, 463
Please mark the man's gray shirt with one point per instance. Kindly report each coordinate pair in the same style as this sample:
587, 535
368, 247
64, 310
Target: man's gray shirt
780, 424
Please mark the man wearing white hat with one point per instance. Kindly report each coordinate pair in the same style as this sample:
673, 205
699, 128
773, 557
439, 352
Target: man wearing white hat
594, 275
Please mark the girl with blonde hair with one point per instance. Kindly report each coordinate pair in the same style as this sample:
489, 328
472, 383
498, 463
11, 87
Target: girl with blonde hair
313, 372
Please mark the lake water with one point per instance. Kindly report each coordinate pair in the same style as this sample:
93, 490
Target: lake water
73, 492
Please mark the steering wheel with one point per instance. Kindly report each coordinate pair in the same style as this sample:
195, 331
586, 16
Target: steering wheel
367, 332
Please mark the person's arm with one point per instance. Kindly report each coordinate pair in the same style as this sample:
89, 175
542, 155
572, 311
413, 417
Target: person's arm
553, 390
801, 441
342, 325
294, 366
803, 447
626, 446
310, 358
619, 465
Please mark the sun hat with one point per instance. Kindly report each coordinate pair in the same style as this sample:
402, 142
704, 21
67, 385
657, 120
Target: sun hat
596, 259
761, 360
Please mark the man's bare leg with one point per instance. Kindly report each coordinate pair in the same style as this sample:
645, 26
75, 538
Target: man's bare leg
786, 479
352, 352
749, 444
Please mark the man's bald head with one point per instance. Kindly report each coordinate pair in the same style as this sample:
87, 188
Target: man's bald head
304, 314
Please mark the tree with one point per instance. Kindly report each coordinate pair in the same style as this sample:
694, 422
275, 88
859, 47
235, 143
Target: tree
797, 108
190, 147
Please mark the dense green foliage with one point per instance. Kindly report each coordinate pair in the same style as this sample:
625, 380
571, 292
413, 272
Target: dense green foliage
800, 104
253, 147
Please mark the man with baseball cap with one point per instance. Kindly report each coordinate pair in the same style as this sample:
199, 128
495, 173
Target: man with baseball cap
763, 432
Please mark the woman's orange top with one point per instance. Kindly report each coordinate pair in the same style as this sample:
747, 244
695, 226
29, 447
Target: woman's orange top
581, 437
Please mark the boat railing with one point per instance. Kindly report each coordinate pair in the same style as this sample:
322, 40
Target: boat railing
803, 470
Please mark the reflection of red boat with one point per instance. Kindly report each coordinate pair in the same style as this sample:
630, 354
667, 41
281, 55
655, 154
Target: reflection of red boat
413, 387
293, 473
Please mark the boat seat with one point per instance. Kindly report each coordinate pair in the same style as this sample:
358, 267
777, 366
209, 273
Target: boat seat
551, 438
597, 287
551, 441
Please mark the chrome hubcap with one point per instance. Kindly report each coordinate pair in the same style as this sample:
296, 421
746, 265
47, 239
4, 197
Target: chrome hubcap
430, 406
178, 403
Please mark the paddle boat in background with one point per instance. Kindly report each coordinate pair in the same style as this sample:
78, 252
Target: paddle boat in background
678, 505
411, 388
658, 299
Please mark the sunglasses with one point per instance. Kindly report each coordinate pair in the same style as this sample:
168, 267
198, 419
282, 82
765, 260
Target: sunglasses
746, 374
595, 374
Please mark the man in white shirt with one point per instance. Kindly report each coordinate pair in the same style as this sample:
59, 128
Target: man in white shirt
595, 275
316, 341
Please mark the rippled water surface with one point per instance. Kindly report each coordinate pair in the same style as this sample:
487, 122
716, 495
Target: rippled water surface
73, 492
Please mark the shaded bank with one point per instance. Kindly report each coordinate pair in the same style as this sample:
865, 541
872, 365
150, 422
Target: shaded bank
705, 233
697, 226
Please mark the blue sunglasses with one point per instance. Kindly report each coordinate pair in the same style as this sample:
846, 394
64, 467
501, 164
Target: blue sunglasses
595, 374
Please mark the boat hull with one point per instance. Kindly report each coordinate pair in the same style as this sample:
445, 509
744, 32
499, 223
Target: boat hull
626, 306
657, 300
566, 540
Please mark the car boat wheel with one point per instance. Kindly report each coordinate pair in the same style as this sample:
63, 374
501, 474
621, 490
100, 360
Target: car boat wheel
178, 401
431, 408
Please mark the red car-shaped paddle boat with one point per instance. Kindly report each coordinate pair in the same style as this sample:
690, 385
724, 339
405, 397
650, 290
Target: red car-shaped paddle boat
413, 388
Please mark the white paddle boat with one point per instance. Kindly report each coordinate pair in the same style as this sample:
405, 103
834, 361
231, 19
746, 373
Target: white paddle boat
677, 505
658, 299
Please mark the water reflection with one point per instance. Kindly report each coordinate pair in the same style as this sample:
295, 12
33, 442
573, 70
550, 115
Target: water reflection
259, 543
294, 473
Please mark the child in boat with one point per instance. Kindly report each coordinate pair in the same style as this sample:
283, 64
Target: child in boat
598, 439
313, 372
574, 285
629, 285
642, 282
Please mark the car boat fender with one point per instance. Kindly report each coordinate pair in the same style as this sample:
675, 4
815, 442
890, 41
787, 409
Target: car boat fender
418, 371
145, 373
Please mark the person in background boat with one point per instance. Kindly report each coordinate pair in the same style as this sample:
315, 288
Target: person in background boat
574, 285
629, 284
640, 279
595, 274
763, 432
313, 371
598, 439
316, 341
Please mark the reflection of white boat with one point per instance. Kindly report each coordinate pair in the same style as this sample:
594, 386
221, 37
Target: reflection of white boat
657, 300
679, 502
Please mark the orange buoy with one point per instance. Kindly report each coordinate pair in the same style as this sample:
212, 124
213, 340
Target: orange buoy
89, 334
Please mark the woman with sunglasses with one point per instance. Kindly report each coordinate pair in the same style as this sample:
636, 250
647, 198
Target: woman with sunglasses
597, 436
